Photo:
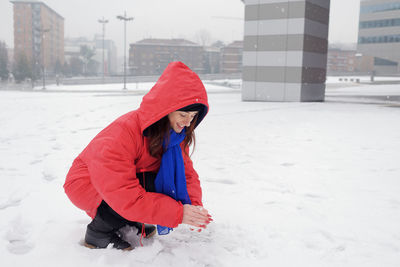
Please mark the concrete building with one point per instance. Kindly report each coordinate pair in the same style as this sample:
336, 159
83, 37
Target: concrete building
379, 34
231, 57
151, 56
38, 34
285, 50
341, 61
364, 64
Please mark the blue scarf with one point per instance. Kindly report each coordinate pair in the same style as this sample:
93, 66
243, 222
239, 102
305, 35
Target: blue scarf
170, 179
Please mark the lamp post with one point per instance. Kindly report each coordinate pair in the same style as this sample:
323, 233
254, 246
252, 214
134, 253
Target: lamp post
103, 21
125, 19
43, 34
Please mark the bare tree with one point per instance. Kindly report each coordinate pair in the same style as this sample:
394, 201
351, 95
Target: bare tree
203, 37
87, 54
3, 61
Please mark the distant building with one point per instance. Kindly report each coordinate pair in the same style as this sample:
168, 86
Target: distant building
231, 57
73, 48
379, 34
110, 54
341, 61
364, 64
151, 56
38, 34
10, 54
211, 59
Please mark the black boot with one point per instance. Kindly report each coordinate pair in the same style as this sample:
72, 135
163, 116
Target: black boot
99, 234
149, 230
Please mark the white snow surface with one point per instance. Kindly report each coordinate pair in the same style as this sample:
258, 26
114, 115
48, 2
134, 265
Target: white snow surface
365, 79
288, 184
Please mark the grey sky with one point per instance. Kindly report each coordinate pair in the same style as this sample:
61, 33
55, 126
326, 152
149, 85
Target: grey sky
170, 18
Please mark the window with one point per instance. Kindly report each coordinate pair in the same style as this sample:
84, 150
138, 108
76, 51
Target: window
379, 39
379, 23
384, 62
379, 8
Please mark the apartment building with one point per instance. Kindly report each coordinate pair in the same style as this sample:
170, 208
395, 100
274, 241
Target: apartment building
379, 34
151, 56
38, 34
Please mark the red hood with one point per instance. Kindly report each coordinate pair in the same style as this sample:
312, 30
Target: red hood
177, 87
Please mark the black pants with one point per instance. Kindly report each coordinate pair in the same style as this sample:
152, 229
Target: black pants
112, 218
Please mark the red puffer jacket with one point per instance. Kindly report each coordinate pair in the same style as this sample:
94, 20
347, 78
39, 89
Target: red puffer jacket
106, 169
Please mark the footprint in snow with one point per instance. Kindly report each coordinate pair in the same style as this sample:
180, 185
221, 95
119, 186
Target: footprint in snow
309, 195
56, 147
36, 161
287, 164
48, 177
11, 202
221, 181
17, 237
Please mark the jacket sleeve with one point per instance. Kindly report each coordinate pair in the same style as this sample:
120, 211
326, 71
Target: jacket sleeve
192, 179
110, 158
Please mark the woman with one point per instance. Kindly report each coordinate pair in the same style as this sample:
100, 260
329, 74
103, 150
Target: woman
138, 170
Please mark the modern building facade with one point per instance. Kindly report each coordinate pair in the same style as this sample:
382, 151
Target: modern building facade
151, 56
379, 34
285, 50
231, 57
38, 34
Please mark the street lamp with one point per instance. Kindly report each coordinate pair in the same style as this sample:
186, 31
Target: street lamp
103, 21
42, 33
125, 19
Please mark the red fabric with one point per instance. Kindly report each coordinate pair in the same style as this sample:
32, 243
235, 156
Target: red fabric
106, 169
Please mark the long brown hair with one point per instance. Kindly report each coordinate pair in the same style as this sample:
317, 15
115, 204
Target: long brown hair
160, 129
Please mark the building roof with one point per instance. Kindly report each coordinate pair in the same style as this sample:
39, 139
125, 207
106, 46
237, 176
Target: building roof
212, 49
166, 42
35, 2
238, 44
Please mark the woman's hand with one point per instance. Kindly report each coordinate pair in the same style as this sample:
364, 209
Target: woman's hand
196, 216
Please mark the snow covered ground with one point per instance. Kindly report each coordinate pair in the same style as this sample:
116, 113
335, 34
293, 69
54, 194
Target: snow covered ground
288, 184
365, 79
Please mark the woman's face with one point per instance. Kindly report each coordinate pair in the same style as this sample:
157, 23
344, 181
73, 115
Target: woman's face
181, 119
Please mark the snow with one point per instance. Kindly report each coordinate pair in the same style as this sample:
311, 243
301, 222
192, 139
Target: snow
215, 86
288, 184
365, 79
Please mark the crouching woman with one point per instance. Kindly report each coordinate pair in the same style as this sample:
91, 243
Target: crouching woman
137, 171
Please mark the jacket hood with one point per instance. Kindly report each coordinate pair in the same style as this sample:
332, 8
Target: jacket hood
177, 87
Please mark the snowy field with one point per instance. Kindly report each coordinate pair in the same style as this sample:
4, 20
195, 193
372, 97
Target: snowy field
365, 79
288, 184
